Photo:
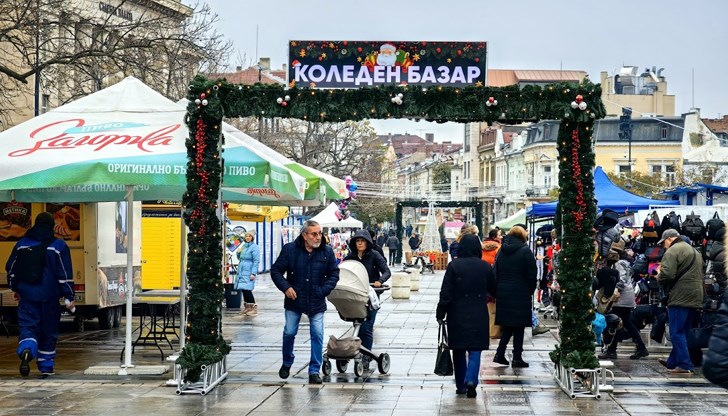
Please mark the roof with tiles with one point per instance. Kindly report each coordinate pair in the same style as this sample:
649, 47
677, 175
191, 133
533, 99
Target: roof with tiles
505, 77
717, 125
249, 76
652, 130
407, 144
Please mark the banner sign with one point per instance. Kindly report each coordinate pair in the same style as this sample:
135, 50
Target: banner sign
357, 64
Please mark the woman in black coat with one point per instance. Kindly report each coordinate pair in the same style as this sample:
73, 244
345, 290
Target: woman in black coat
361, 250
515, 271
715, 363
468, 281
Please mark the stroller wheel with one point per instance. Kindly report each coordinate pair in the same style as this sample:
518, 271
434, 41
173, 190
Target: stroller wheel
358, 368
383, 363
326, 368
342, 365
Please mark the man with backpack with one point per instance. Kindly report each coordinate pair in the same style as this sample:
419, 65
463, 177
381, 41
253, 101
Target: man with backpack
39, 271
681, 276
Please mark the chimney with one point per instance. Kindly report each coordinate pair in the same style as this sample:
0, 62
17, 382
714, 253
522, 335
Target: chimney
238, 68
284, 68
264, 64
430, 137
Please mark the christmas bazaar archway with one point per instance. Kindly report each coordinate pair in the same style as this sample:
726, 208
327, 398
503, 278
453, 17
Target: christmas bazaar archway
577, 106
477, 205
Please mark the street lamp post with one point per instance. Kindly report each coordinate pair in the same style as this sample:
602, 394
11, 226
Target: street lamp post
625, 133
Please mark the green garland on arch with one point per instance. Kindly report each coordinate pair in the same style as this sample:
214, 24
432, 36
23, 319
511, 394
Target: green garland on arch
469, 104
441, 104
205, 344
576, 214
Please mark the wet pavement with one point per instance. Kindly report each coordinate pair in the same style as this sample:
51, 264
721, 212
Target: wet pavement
405, 329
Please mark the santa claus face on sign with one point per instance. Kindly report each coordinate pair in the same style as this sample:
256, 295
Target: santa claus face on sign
387, 55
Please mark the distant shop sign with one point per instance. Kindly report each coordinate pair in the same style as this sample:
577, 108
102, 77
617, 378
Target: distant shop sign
116, 11
357, 64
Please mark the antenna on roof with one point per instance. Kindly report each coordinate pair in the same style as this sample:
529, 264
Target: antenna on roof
256, 43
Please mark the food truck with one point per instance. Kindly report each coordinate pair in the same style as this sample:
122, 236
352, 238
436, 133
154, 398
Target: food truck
97, 235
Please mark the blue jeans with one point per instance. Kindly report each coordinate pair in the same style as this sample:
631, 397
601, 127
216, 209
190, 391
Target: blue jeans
534, 319
681, 320
465, 372
366, 332
290, 330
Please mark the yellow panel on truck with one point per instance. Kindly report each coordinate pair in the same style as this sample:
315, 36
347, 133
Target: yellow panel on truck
160, 253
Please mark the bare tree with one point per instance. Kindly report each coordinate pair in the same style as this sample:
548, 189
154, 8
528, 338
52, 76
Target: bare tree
339, 149
76, 50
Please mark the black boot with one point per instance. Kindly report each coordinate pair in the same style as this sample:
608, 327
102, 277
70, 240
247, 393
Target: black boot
518, 361
500, 359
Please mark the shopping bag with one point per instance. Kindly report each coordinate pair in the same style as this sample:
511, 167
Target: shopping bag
493, 329
443, 364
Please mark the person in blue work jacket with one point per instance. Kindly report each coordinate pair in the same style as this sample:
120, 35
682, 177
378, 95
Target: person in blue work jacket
38, 284
311, 273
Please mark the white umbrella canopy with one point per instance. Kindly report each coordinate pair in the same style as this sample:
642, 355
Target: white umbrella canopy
126, 135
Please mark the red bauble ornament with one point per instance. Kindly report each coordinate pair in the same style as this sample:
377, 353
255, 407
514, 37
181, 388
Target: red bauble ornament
284, 104
491, 99
346, 42
359, 49
438, 50
579, 98
460, 52
424, 43
477, 60
203, 95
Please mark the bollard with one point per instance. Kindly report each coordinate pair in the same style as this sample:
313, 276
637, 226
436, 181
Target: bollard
414, 274
400, 285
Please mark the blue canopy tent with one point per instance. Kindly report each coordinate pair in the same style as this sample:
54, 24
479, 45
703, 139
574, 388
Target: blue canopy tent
608, 195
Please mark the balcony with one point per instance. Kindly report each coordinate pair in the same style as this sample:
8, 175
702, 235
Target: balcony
537, 192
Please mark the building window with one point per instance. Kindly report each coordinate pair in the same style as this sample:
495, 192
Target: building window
547, 177
670, 175
663, 132
45, 103
665, 171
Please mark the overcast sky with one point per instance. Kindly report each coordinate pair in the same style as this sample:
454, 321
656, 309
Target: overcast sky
677, 35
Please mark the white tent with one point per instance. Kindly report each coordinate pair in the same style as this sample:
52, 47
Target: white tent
328, 218
517, 218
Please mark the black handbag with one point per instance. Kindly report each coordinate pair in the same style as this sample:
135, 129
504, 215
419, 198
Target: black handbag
443, 364
699, 337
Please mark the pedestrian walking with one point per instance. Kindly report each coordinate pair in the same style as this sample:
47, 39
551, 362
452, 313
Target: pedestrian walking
715, 365
311, 274
249, 259
376, 247
681, 276
393, 246
515, 271
468, 281
415, 242
40, 273
362, 250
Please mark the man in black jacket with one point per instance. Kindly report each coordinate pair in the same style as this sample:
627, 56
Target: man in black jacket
311, 274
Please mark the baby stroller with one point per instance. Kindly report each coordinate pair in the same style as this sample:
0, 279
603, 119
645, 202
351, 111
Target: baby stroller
351, 299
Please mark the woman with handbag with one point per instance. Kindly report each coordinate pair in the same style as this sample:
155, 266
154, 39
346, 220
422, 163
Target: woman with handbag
467, 283
516, 278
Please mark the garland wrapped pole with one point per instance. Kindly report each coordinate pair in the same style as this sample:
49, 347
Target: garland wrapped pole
576, 214
205, 344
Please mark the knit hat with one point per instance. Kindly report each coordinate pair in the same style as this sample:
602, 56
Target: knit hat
45, 219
